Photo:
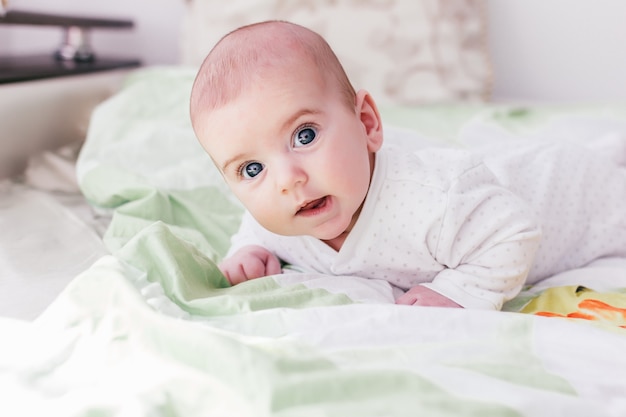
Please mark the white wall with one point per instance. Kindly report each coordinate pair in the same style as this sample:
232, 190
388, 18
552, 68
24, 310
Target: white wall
558, 50
542, 50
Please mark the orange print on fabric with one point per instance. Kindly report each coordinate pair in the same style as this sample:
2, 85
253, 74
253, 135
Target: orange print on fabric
578, 302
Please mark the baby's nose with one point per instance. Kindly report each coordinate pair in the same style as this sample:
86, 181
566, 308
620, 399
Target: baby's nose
290, 175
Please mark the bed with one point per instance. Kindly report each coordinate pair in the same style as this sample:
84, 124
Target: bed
135, 318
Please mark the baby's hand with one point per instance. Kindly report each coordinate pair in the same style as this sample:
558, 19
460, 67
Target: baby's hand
250, 262
424, 296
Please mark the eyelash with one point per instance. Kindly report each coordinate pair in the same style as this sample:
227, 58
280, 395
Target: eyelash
304, 126
240, 169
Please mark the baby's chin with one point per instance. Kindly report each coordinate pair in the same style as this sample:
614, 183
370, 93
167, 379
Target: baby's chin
334, 238
336, 229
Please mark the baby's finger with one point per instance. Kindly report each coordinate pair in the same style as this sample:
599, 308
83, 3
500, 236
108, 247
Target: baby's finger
235, 276
253, 268
272, 265
406, 299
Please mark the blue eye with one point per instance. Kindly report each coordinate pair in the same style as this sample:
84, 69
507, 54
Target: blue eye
304, 136
251, 169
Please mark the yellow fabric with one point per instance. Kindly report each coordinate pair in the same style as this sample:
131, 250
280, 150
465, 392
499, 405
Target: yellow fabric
581, 303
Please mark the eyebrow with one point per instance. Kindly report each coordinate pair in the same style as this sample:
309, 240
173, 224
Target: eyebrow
290, 121
297, 115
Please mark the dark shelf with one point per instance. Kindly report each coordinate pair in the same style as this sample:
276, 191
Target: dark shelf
27, 68
16, 17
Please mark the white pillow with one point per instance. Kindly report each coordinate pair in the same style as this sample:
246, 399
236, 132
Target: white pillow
402, 51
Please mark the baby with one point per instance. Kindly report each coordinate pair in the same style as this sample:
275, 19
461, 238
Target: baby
303, 151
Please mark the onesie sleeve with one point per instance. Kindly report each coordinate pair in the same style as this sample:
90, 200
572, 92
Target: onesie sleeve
486, 244
249, 233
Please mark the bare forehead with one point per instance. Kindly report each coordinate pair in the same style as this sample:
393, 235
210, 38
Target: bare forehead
275, 101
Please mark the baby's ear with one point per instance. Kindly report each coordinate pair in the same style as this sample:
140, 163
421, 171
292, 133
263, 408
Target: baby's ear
370, 118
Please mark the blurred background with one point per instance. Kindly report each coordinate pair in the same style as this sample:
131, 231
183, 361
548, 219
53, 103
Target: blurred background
540, 50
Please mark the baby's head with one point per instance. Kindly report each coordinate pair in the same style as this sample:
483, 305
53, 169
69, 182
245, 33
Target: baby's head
274, 109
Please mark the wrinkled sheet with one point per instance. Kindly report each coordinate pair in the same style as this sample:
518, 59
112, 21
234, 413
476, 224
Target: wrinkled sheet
166, 336
48, 235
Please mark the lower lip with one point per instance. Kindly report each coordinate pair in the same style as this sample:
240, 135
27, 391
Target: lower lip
321, 208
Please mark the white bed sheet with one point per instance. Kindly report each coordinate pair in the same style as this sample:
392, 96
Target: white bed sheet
49, 234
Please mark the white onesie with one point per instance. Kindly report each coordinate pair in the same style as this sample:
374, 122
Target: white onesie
472, 226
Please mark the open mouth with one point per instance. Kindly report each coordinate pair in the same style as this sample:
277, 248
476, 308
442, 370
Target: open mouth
312, 206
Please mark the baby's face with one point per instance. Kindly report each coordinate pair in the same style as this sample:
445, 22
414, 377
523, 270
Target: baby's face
295, 155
